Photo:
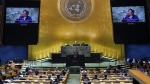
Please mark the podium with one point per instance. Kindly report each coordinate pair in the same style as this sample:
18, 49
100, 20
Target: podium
75, 60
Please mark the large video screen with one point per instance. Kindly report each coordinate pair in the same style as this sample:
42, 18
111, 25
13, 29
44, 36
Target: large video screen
130, 21
22, 15
128, 14
21, 22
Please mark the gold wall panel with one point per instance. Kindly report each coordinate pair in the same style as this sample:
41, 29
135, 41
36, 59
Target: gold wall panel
56, 31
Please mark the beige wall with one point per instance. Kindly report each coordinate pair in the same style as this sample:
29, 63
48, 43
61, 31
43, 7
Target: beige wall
56, 31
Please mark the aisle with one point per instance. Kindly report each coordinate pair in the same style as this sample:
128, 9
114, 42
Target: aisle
73, 79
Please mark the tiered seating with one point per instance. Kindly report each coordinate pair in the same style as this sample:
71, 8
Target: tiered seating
9, 71
40, 78
112, 78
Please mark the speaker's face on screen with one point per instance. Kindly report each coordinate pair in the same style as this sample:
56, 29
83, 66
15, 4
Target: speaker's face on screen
130, 12
25, 13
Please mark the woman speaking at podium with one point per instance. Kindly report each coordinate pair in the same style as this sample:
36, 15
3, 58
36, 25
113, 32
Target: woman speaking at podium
76, 53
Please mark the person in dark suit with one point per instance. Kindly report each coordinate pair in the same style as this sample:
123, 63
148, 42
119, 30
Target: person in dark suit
76, 44
83, 44
105, 77
27, 69
76, 53
36, 72
15, 60
119, 67
58, 78
24, 18
95, 78
8, 61
55, 81
1, 82
114, 71
85, 78
97, 69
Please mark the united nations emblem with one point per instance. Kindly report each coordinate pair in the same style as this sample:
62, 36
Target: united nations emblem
75, 10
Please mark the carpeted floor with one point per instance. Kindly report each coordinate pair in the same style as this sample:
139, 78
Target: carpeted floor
73, 79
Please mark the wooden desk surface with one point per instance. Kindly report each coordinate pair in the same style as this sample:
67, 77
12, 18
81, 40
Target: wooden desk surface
140, 75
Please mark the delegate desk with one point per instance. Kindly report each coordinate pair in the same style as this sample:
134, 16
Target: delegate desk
82, 50
139, 76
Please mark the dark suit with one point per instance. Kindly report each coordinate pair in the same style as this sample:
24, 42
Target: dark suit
85, 79
15, 60
95, 78
76, 44
27, 69
83, 44
8, 61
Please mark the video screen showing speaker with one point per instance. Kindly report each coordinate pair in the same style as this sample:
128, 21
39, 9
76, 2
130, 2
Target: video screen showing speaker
128, 14
130, 21
21, 22
22, 15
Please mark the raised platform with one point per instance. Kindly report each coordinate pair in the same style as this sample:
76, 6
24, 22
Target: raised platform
95, 58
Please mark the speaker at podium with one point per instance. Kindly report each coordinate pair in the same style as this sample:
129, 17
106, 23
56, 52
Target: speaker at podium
75, 60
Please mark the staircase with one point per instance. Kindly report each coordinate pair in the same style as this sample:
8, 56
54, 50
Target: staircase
24, 66
108, 59
30, 63
47, 59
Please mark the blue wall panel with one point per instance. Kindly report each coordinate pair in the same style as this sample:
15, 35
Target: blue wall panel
137, 50
10, 52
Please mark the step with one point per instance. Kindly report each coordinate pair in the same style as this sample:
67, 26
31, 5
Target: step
38, 60
48, 58
43, 59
